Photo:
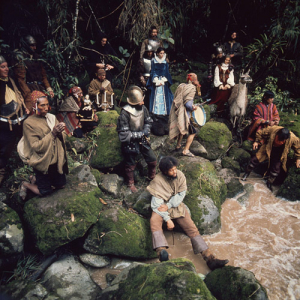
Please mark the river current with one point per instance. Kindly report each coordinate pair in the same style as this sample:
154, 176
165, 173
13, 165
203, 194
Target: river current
262, 236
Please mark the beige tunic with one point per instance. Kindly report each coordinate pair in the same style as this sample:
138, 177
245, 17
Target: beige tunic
94, 88
40, 145
164, 188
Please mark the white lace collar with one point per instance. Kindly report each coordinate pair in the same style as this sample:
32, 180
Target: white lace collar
158, 60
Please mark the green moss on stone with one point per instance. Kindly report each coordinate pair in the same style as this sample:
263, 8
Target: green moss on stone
207, 111
50, 218
291, 122
235, 284
240, 155
290, 189
202, 180
216, 138
119, 232
108, 151
175, 279
247, 145
229, 163
97, 175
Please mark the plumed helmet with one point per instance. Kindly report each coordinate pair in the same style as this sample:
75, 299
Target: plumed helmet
2, 59
135, 95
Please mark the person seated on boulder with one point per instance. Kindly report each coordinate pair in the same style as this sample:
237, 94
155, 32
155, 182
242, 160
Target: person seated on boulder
44, 148
265, 114
168, 190
134, 124
276, 142
12, 113
72, 111
180, 115
101, 92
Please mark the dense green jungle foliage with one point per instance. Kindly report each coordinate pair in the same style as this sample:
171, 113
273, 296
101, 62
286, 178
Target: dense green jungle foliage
65, 29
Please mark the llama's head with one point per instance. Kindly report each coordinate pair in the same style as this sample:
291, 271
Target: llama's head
245, 78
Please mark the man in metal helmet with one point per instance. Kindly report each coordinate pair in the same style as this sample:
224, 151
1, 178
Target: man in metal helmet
134, 124
29, 70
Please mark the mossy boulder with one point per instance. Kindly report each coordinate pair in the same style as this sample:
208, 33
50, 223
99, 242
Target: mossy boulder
207, 111
240, 155
216, 138
11, 232
143, 204
290, 121
290, 189
235, 284
63, 216
234, 187
247, 146
27, 290
78, 145
107, 153
202, 180
119, 232
229, 163
175, 279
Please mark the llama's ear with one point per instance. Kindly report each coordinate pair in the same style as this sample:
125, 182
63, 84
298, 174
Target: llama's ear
242, 72
248, 72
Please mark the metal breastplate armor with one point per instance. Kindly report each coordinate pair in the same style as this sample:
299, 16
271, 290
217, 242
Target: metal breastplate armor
154, 44
147, 67
136, 122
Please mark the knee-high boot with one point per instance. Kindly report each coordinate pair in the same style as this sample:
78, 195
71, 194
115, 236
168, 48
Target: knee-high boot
151, 170
129, 171
212, 262
270, 181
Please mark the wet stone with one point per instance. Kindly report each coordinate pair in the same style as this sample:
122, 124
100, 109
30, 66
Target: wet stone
94, 260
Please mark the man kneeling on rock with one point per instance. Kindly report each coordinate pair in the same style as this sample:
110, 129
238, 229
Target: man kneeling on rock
168, 190
44, 149
276, 143
134, 124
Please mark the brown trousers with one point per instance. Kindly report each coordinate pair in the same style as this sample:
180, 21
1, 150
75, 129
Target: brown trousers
186, 223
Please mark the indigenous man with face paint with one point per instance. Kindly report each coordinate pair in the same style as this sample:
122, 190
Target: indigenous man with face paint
29, 70
12, 112
276, 143
44, 148
168, 190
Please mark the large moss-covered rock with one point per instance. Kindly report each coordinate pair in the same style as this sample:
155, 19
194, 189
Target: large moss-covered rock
63, 216
234, 187
216, 138
202, 180
290, 189
175, 279
108, 153
229, 163
240, 155
11, 232
235, 284
143, 204
27, 290
119, 232
290, 121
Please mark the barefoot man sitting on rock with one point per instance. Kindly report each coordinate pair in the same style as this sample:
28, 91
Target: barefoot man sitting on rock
180, 113
168, 190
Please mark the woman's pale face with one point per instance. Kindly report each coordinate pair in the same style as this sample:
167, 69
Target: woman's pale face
233, 36
227, 60
161, 54
4, 70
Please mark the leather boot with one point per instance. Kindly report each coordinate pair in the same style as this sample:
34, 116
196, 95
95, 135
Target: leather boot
129, 171
162, 253
212, 262
247, 173
2, 173
270, 181
151, 170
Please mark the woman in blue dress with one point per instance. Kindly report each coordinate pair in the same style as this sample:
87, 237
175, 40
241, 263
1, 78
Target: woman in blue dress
159, 82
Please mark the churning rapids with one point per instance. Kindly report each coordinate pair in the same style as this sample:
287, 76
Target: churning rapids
262, 236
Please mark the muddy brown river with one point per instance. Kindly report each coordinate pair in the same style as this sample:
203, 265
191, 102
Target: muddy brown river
262, 236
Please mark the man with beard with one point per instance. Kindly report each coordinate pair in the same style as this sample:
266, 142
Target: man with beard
152, 40
168, 190
100, 57
134, 124
29, 71
234, 49
100, 89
